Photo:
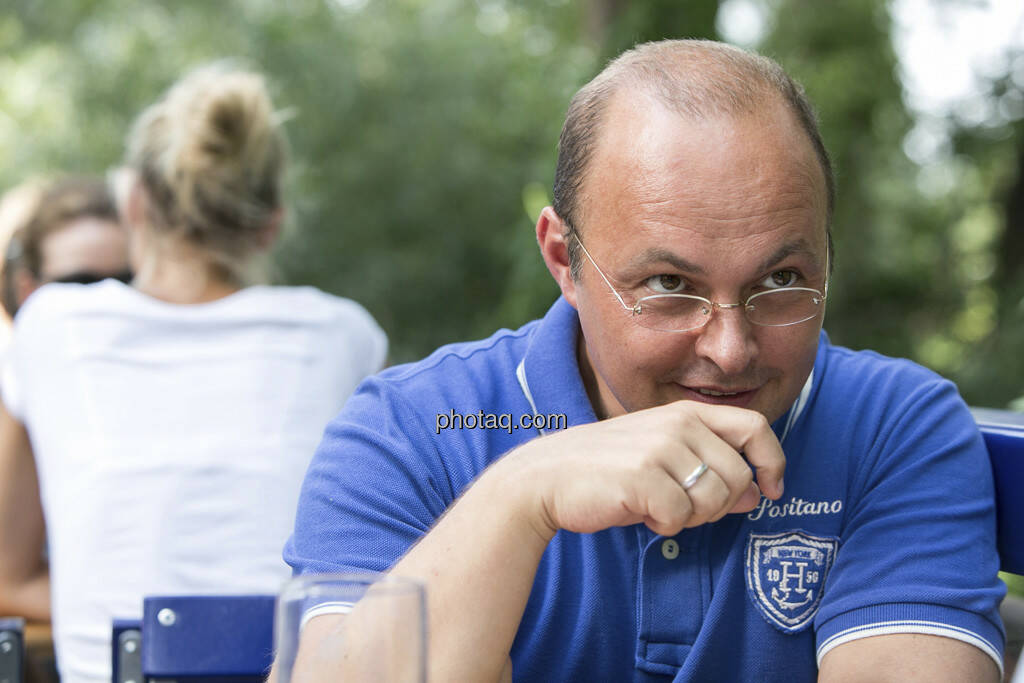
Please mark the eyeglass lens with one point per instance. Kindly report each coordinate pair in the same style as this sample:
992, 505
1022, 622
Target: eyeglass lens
773, 308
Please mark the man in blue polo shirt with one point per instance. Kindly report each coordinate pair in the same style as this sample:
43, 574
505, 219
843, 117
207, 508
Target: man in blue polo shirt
599, 495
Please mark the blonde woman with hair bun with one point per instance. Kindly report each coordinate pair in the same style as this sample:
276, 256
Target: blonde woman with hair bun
172, 418
210, 157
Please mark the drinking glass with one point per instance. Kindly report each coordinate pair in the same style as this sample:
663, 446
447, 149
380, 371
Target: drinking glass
350, 627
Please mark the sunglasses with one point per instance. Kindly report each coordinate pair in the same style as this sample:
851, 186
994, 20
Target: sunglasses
86, 277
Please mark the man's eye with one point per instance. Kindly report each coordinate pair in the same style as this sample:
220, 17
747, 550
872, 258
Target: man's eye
665, 284
781, 278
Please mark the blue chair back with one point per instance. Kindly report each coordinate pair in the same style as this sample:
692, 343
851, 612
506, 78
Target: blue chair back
201, 639
1004, 438
227, 638
127, 651
12, 650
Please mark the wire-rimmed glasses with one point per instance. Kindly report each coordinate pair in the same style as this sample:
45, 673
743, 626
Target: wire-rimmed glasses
684, 312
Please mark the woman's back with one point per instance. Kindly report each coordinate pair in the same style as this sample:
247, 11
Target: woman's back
171, 440
172, 420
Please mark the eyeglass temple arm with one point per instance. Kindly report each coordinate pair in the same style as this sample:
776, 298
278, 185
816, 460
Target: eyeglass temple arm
633, 309
828, 263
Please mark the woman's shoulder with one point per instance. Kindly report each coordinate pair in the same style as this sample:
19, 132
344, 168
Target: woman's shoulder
56, 300
310, 302
345, 322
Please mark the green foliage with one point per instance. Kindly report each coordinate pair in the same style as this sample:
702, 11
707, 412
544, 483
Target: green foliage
424, 134
916, 245
1014, 583
639, 22
416, 127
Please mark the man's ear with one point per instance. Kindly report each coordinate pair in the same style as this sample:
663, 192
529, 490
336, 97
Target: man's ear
555, 250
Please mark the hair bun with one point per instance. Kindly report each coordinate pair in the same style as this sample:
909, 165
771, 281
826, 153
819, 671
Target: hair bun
211, 156
231, 124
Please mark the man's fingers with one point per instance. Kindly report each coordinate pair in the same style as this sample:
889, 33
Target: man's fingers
668, 506
711, 497
749, 433
726, 480
748, 501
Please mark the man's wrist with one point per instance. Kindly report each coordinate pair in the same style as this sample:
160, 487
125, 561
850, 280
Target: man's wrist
513, 479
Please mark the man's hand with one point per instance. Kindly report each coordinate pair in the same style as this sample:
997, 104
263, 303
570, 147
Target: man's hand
631, 469
478, 562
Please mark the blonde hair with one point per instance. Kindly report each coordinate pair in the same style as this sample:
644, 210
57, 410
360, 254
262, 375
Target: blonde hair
210, 155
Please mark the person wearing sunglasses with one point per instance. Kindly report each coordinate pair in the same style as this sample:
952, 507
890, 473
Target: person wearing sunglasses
674, 475
71, 235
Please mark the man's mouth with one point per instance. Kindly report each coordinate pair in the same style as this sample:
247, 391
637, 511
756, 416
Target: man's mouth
738, 396
712, 392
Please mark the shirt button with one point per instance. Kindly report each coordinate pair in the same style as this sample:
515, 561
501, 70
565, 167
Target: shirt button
669, 549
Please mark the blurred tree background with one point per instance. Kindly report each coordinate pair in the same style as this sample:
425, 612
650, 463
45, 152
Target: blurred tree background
424, 136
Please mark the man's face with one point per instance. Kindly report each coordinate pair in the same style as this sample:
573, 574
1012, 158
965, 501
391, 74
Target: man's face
721, 208
86, 246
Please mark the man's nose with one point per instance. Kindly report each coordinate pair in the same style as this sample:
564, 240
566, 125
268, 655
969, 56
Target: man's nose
727, 340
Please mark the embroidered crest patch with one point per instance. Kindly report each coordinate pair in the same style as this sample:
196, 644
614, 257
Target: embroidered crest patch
786, 575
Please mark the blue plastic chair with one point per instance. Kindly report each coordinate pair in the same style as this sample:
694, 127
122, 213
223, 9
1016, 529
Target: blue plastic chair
209, 638
12, 650
1004, 438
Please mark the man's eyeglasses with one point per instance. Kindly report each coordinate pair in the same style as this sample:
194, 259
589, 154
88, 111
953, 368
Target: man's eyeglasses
684, 312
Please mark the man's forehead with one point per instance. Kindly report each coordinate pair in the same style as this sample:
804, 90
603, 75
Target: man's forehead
654, 162
637, 123
799, 247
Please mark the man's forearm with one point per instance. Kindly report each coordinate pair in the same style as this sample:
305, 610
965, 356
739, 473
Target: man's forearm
479, 561
478, 564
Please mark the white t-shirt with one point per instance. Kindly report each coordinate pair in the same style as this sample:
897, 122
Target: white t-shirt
171, 440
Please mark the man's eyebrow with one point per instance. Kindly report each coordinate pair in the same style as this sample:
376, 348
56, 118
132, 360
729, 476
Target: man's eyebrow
658, 255
800, 246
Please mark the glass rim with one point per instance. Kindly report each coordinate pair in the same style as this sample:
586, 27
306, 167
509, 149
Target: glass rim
301, 586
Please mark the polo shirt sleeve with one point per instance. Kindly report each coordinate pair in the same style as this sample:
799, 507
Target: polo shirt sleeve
374, 487
918, 547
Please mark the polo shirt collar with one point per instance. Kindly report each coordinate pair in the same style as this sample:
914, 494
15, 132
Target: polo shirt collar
549, 374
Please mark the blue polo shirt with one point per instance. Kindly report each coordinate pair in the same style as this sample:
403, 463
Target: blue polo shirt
887, 524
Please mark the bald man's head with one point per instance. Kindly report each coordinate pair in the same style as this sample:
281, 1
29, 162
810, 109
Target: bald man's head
697, 79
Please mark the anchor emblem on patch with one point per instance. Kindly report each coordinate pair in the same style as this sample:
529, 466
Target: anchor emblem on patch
786, 575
